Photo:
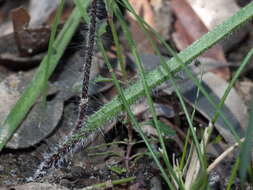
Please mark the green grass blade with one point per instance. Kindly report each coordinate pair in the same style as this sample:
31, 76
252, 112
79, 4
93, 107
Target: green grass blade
52, 39
82, 6
146, 90
119, 52
36, 87
131, 115
246, 147
50, 52
142, 23
233, 173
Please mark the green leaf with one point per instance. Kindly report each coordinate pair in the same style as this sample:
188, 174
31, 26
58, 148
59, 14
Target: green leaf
117, 169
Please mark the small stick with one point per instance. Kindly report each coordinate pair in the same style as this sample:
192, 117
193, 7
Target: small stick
223, 156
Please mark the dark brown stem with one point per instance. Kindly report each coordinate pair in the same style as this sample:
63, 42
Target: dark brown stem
57, 158
86, 68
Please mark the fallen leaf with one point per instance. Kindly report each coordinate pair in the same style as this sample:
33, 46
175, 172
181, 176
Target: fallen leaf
157, 14
144, 9
10, 58
29, 41
215, 12
189, 28
38, 124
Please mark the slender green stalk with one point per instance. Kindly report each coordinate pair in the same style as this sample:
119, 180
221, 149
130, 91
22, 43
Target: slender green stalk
109, 184
231, 84
119, 52
246, 147
108, 153
197, 97
188, 134
36, 87
56, 22
52, 38
168, 72
182, 161
147, 90
82, 6
130, 114
233, 173
112, 143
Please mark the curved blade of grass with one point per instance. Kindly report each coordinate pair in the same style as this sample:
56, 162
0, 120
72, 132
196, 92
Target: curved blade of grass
131, 115
146, 90
82, 6
246, 147
233, 173
168, 72
120, 58
50, 52
216, 115
230, 86
36, 87
142, 24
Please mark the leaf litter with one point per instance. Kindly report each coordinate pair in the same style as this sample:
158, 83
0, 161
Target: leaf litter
61, 110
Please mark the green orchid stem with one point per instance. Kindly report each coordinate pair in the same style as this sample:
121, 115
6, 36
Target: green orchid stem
157, 76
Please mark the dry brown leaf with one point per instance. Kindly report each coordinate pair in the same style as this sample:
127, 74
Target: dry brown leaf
144, 9
29, 41
189, 28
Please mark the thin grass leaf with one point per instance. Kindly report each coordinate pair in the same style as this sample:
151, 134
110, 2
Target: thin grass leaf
131, 115
167, 69
233, 173
231, 84
82, 6
246, 147
52, 39
120, 57
36, 87
147, 91
110, 183
50, 52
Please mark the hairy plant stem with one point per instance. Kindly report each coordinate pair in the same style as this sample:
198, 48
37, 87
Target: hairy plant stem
88, 53
56, 158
